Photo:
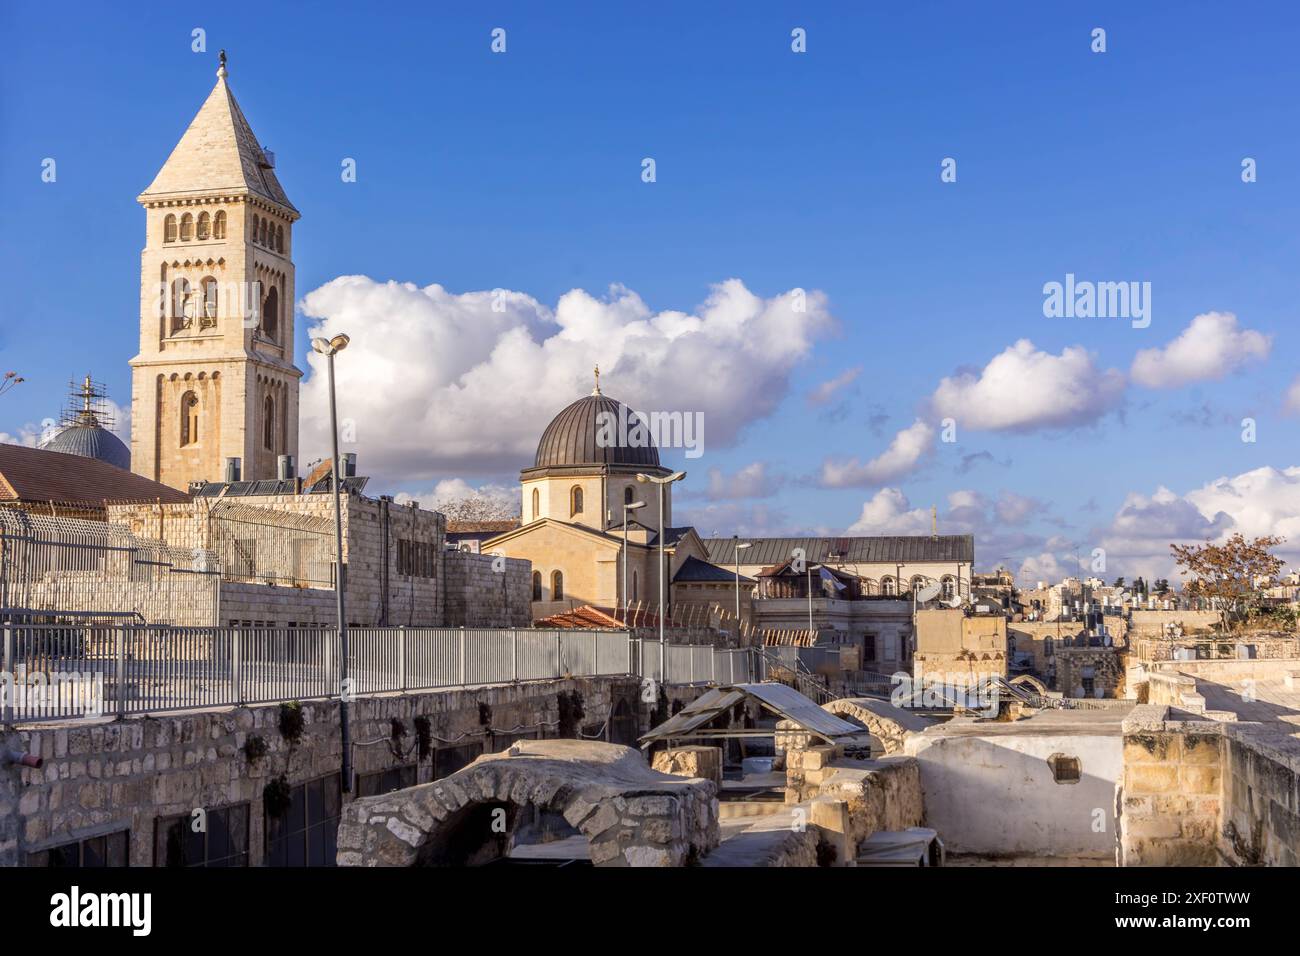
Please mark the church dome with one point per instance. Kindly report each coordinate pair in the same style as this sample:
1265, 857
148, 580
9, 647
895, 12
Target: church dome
84, 432
571, 437
91, 440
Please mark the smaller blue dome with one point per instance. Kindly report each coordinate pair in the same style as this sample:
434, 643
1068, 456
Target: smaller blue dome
91, 441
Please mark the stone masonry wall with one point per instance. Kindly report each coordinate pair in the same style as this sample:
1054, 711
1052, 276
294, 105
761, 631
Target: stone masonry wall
1171, 794
103, 776
477, 595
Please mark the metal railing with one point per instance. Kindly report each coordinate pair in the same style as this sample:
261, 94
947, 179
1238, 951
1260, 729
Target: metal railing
85, 668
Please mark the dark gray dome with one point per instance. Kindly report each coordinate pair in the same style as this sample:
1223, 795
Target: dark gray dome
91, 441
570, 438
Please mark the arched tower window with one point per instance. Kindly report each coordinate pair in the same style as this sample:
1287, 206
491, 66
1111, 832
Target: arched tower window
205, 225
268, 424
271, 314
557, 586
279, 238
537, 511
262, 232
182, 307
537, 585
575, 500
187, 227
210, 303
189, 418
169, 229
219, 225
257, 221
949, 588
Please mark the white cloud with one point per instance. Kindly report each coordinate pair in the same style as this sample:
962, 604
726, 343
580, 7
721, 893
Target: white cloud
1207, 350
1045, 567
1024, 389
1291, 402
889, 512
752, 481
436, 381
827, 390
1263, 501
449, 490
904, 454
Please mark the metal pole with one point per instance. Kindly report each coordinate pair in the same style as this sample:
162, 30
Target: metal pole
346, 733
810, 623
625, 564
737, 591
663, 674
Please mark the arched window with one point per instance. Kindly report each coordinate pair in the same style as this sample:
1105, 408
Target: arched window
182, 306
262, 232
537, 509
279, 238
204, 225
257, 221
187, 227
627, 495
918, 582
886, 585
557, 586
210, 303
271, 314
169, 229
268, 424
219, 225
575, 500
949, 588
189, 418
537, 585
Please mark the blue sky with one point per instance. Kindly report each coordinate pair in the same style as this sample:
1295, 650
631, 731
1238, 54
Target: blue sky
818, 171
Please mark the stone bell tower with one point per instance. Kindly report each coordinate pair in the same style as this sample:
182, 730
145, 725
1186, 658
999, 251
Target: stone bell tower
215, 377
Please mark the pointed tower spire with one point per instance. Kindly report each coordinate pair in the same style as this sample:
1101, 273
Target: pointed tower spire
219, 155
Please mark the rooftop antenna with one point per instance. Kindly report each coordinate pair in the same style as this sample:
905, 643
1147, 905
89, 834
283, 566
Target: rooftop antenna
934, 521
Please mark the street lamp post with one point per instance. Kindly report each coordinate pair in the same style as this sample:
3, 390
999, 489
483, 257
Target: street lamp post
662, 483
329, 348
810, 571
740, 546
627, 506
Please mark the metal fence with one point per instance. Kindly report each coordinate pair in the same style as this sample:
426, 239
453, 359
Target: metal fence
53, 671
54, 564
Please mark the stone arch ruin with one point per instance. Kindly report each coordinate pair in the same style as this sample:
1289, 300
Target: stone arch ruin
630, 814
887, 723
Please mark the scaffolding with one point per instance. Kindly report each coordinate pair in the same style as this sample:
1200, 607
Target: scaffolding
80, 567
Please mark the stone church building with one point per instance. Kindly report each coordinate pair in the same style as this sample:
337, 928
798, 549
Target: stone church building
214, 379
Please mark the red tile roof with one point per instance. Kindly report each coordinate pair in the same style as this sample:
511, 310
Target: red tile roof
588, 616
36, 475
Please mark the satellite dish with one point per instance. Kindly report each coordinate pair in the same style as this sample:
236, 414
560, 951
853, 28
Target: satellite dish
929, 592
954, 601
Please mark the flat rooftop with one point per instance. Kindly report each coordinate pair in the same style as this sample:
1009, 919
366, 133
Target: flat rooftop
1054, 722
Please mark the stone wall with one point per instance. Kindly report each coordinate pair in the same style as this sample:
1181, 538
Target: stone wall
1171, 790
1152, 623
1261, 797
102, 776
479, 595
